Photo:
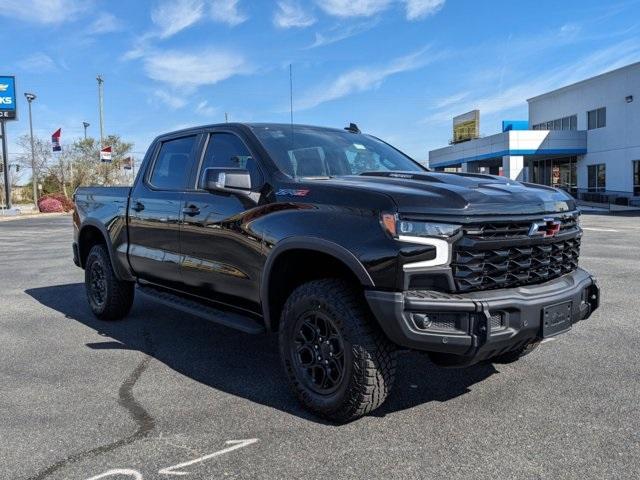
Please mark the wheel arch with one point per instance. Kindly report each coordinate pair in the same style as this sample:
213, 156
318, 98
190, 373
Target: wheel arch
92, 233
327, 255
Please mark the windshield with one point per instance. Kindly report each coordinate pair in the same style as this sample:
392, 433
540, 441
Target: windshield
316, 152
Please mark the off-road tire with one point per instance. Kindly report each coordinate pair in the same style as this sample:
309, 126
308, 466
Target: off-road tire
117, 296
517, 354
369, 357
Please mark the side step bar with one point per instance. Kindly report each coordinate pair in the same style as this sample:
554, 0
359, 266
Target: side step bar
207, 312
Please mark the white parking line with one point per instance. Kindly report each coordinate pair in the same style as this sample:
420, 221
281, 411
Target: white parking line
594, 229
235, 445
175, 469
119, 471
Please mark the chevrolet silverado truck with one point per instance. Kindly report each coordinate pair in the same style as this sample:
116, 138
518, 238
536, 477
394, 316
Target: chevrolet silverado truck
344, 246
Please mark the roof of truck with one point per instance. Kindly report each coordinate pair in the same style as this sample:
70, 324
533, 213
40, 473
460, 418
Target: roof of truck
252, 125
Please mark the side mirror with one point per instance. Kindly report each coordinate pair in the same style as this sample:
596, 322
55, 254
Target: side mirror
226, 179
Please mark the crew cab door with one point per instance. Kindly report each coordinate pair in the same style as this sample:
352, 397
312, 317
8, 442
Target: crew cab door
155, 210
222, 253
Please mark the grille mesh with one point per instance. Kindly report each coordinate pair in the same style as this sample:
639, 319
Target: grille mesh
482, 269
442, 322
495, 321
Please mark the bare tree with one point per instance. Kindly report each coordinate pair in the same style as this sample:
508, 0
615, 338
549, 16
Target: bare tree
77, 164
87, 167
42, 155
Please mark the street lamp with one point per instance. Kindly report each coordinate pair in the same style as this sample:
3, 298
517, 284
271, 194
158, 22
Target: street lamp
85, 125
30, 98
101, 107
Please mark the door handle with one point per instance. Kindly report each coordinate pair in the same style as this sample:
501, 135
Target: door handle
138, 207
191, 210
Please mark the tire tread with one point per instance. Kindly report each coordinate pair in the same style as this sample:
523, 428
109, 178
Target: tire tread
374, 355
120, 294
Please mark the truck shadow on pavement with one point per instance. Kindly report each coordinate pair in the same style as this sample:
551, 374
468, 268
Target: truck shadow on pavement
240, 364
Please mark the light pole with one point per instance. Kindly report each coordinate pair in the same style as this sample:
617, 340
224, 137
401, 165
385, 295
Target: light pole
5, 166
101, 108
34, 177
85, 125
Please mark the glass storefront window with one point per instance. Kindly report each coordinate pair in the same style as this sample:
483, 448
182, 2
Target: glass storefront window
596, 177
573, 122
564, 123
636, 177
556, 172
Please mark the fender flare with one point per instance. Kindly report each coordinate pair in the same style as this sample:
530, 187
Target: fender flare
308, 243
120, 275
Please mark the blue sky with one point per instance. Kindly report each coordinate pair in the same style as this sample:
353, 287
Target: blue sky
399, 68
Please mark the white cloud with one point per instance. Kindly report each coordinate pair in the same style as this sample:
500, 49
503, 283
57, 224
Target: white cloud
173, 16
353, 8
419, 9
104, 23
170, 99
204, 109
43, 11
291, 14
598, 62
415, 9
189, 70
363, 79
570, 30
139, 49
37, 63
342, 32
452, 99
226, 11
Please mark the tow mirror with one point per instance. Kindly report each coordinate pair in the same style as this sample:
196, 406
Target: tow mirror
226, 179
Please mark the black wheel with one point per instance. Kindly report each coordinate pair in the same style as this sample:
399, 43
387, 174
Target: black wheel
339, 363
518, 353
109, 298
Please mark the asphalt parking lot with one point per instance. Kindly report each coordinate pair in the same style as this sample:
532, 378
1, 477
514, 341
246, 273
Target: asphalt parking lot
161, 393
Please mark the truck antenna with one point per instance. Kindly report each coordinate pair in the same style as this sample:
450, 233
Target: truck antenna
291, 99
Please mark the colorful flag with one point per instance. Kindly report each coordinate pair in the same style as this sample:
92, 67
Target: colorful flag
105, 154
55, 140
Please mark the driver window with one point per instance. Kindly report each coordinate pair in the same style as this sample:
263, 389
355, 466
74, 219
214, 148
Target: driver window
226, 150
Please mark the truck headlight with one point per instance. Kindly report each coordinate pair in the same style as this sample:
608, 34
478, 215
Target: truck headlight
425, 233
415, 231
427, 229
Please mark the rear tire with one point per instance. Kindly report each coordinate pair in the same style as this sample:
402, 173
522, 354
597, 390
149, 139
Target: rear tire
109, 298
517, 354
339, 363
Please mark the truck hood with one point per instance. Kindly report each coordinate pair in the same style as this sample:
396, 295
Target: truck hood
459, 193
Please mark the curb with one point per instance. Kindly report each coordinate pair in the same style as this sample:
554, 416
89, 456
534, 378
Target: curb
33, 215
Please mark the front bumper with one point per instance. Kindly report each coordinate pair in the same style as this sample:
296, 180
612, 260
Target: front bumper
480, 325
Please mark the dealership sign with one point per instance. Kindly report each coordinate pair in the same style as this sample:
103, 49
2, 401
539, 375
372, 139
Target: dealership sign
7, 98
105, 154
466, 126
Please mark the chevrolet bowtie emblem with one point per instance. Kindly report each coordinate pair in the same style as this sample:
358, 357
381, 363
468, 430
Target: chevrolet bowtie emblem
549, 227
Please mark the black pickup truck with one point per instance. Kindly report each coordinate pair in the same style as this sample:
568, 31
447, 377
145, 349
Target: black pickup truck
343, 245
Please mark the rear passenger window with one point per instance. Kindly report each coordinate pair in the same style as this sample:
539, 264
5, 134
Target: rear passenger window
173, 165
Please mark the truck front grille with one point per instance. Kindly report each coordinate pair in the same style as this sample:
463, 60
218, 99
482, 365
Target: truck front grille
503, 256
487, 231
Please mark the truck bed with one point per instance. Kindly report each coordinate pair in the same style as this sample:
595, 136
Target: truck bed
102, 202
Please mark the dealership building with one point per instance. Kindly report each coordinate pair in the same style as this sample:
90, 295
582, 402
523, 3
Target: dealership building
583, 138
